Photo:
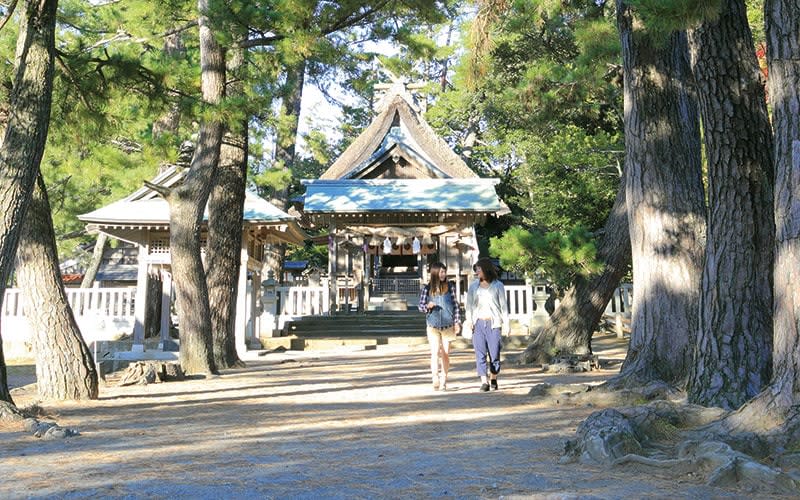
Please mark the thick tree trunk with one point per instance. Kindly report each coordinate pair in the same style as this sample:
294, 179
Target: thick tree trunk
665, 203
225, 214
783, 51
64, 366
187, 203
285, 144
572, 324
25, 135
97, 259
777, 406
734, 342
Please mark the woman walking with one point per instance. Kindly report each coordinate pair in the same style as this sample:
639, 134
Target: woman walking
438, 301
487, 314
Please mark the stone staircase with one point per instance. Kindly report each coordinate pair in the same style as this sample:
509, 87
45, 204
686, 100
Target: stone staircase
355, 331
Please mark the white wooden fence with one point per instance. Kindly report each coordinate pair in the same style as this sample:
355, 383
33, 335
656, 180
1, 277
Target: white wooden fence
619, 308
520, 302
101, 314
108, 313
298, 301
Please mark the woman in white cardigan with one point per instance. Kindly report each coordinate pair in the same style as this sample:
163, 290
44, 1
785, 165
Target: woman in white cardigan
487, 314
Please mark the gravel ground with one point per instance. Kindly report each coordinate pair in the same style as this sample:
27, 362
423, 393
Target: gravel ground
344, 425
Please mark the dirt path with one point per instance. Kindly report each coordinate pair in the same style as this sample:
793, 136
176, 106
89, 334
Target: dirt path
360, 425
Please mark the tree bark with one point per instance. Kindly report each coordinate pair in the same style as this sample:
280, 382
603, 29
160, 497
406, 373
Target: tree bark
783, 57
25, 134
776, 407
734, 342
285, 145
97, 259
664, 193
64, 365
572, 324
225, 217
187, 203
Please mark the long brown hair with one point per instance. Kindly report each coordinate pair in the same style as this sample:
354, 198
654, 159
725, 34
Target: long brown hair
487, 266
435, 285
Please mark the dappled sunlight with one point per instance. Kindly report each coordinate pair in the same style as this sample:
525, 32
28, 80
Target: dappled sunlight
367, 422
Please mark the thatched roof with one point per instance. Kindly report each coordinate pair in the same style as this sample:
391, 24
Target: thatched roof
419, 135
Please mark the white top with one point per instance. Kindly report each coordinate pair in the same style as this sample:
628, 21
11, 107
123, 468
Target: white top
493, 297
483, 309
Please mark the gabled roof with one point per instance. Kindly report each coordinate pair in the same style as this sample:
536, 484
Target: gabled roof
155, 211
402, 195
145, 209
398, 123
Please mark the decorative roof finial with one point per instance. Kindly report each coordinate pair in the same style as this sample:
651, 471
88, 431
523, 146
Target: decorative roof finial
399, 86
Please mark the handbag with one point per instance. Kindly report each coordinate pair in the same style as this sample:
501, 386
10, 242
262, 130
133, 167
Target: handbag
466, 331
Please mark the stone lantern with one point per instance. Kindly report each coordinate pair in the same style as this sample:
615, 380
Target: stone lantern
540, 295
269, 302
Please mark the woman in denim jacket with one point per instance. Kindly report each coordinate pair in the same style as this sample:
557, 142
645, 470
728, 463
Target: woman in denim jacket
438, 301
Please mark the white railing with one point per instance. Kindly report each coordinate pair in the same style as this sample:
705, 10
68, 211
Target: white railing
525, 304
520, 301
620, 303
101, 314
299, 301
619, 307
396, 285
101, 301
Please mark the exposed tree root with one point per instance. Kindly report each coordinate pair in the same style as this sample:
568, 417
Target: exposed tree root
679, 438
150, 372
604, 397
539, 351
16, 418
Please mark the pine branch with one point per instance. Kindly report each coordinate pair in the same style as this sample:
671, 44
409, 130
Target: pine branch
8, 15
191, 24
262, 41
162, 190
348, 20
72, 79
72, 234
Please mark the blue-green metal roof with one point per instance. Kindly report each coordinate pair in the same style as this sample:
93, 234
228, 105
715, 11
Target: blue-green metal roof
402, 195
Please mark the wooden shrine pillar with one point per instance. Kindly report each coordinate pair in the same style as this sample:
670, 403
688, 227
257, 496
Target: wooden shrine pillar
140, 306
252, 312
333, 285
240, 323
166, 303
365, 274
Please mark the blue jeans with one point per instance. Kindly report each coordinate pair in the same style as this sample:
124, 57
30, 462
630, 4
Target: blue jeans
486, 340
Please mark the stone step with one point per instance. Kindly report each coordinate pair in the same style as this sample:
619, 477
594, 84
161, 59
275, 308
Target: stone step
295, 343
367, 342
351, 325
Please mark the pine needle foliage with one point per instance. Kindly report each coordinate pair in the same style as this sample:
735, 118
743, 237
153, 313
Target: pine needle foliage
665, 16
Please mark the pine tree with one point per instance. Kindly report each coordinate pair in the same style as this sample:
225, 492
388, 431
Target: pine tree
64, 365
734, 343
666, 212
25, 134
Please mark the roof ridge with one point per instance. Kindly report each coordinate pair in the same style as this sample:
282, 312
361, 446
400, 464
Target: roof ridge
372, 137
